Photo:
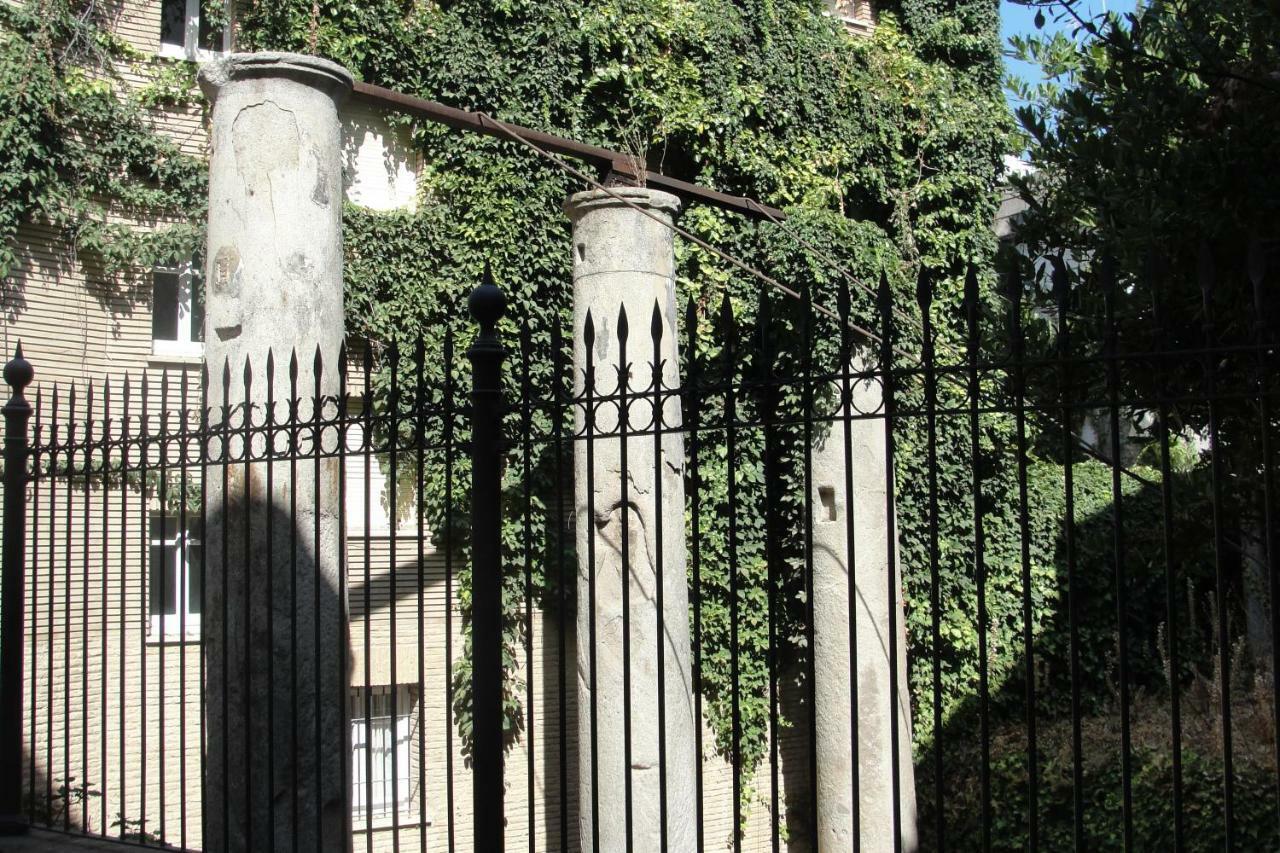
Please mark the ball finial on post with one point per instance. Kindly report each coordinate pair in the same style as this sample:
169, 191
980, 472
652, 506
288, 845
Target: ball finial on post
487, 303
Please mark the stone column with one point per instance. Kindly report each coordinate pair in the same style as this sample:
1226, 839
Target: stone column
275, 622
624, 259
832, 503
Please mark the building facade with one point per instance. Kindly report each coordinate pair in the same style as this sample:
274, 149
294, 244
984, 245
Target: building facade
115, 677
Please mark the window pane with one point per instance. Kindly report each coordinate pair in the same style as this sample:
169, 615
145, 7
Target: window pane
211, 13
164, 306
173, 22
197, 303
195, 575
380, 768
164, 598
382, 776
163, 527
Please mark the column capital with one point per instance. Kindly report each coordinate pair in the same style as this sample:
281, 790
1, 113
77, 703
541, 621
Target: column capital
321, 74
657, 201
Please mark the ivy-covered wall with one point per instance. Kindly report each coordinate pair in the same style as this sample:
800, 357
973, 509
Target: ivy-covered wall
78, 149
885, 151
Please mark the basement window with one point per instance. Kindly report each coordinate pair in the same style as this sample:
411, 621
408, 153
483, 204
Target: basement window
177, 312
381, 733
186, 33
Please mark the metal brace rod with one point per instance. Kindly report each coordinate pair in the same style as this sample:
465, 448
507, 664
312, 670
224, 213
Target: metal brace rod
613, 164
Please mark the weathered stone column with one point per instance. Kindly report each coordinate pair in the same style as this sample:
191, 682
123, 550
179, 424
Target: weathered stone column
275, 623
622, 258
832, 503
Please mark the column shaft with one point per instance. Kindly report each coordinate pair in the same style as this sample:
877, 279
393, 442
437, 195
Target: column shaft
629, 512
275, 622
832, 598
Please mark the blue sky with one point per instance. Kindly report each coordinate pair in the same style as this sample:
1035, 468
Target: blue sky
1015, 19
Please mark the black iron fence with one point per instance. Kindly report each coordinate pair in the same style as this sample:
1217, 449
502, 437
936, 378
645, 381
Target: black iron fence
857, 571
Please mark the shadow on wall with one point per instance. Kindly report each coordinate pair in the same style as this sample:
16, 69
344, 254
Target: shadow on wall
48, 261
74, 805
277, 657
1150, 674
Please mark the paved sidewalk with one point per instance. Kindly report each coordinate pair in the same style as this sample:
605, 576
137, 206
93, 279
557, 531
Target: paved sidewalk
43, 841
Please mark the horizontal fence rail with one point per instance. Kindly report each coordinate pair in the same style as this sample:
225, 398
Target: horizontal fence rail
899, 574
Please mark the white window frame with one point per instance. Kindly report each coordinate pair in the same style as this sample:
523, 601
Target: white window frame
182, 625
184, 346
399, 722
190, 48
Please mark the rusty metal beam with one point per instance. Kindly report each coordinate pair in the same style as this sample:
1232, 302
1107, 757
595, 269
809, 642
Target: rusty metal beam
610, 163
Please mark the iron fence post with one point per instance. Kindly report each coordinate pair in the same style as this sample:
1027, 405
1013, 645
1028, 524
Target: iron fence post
486, 353
17, 412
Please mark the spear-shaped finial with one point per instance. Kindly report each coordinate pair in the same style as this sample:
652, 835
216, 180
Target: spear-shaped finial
18, 373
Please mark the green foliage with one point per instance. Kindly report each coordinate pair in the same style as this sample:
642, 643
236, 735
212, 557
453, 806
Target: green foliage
1198, 685
1152, 786
63, 799
1150, 133
77, 148
60, 805
884, 150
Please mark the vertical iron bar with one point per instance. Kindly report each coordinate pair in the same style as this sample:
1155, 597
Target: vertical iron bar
124, 592
768, 407
420, 452
294, 409
1171, 568
891, 536
811, 678
851, 561
393, 435
655, 330
692, 408
184, 597
1206, 275
366, 497
1018, 377
86, 522
1263, 348
486, 353
163, 671
979, 546
589, 419
35, 605
247, 614
526, 482
589, 424
268, 510
144, 590
924, 297
1117, 523
341, 404
1062, 288
623, 371
224, 595
561, 397
731, 453
105, 443
450, 425
204, 447
66, 605
18, 374
52, 566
